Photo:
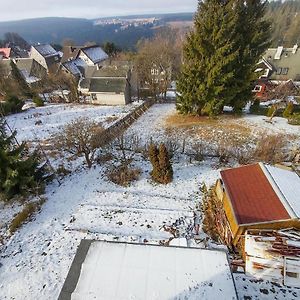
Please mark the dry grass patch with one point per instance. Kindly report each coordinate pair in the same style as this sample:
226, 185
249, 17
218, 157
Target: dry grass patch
25, 215
226, 129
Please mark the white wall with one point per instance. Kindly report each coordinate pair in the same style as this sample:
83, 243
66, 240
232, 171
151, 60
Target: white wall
38, 57
109, 99
86, 59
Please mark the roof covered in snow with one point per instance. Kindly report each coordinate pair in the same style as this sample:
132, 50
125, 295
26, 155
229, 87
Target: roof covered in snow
72, 67
110, 270
289, 185
95, 54
46, 50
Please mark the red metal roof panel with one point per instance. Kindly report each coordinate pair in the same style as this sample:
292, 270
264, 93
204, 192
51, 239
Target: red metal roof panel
252, 196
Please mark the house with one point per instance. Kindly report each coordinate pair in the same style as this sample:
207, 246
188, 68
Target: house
46, 56
73, 67
92, 55
273, 255
108, 86
5, 53
70, 53
258, 196
116, 270
280, 64
29, 68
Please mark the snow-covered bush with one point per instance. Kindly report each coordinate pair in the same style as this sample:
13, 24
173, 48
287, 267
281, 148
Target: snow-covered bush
123, 175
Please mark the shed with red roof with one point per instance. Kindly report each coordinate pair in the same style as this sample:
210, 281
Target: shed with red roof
259, 196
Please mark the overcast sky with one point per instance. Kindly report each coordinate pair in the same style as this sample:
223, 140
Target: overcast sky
25, 9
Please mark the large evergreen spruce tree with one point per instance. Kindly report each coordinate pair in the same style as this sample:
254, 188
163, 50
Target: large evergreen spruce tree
220, 56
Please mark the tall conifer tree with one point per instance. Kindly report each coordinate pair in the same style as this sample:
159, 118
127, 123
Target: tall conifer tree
220, 55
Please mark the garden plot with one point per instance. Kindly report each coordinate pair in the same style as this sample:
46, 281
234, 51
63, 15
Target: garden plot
40, 123
236, 131
35, 261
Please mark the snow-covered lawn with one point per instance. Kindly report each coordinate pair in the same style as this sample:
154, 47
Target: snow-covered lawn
278, 125
53, 117
35, 261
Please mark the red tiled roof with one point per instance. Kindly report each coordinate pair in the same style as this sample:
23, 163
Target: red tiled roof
252, 196
5, 52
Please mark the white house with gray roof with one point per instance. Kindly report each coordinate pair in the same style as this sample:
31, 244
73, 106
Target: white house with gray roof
109, 85
46, 56
281, 64
92, 55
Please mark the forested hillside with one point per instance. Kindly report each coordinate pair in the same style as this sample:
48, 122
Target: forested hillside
285, 18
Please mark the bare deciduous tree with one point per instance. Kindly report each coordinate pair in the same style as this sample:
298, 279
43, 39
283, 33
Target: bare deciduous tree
82, 137
157, 61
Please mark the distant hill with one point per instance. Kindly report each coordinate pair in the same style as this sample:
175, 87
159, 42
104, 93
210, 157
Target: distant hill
55, 30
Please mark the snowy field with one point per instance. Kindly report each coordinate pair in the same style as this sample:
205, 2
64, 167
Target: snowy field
35, 261
54, 117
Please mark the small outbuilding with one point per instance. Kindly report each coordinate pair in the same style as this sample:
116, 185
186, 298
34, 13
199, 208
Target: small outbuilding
258, 196
115, 270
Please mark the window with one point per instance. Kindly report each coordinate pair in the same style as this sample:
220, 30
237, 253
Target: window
284, 71
257, 89
278, 71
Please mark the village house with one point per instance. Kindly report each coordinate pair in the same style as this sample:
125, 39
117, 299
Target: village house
277, 66
92, 55
81, 62
46, 56
108, 86
258, 196
29, 68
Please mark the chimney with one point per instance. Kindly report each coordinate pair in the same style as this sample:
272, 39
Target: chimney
295, 49
278, 52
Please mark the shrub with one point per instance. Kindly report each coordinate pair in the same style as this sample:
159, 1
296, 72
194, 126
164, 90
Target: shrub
271, 111
24, 215
123, 175
62, 171
294, 119
162, 171
255, 107
211, 207
12, 105
270, 149
38, 101
288, 110
198, 151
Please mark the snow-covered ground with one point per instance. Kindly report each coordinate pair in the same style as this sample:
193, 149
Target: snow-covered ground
35, 261
41, 122
278, 125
